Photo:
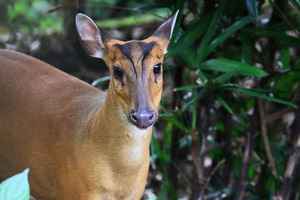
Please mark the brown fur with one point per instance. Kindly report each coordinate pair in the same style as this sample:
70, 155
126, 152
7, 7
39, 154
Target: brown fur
77, 144
78, 141
145, 80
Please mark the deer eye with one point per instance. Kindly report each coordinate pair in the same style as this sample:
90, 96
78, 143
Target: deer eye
118, 73
157, 69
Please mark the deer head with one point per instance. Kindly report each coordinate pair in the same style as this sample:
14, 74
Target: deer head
135, 67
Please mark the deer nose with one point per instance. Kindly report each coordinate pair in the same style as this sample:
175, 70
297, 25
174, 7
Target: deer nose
142, 118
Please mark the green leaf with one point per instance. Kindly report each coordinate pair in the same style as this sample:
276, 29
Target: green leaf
252, 7
226, 77
100, 80
131, 20
259, 94
271, 184
232, 66
194, 31
178, 124
202, 51
229, 32
296, 4
247, 48
186, 88
155, 148
18, 9
16, 187
251, 170
223, 103
286, 84
285, 58
279, 36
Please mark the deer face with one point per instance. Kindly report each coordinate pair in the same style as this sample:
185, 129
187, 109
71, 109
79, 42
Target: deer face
135, 66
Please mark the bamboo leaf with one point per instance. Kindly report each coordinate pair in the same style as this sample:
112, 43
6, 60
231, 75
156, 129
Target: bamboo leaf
202, 51
223, 103
229, 32
232, 66
252, 7
278, 35
258, 94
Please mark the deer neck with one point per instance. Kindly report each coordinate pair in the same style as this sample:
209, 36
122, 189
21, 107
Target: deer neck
116, 137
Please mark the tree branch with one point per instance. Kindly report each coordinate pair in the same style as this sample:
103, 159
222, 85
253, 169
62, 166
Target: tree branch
288, 189
264, 132
247, 156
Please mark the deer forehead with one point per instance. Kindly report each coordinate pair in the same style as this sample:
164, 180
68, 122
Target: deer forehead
134, 52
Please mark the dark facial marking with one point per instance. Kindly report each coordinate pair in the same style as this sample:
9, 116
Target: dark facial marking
118, 74
142, 93
146, 48
142, 115
126, 50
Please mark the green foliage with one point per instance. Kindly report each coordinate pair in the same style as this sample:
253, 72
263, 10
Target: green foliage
221, 52
16, 187
133, 20
31, 16
233, 68
225, 57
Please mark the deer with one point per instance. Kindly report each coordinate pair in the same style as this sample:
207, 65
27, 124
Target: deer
79, 142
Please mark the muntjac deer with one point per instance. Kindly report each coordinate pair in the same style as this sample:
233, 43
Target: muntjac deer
81, 143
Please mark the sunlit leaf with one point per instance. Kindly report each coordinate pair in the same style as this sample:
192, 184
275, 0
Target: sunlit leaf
16, 187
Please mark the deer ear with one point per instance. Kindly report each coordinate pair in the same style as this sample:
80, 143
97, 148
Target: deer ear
90, 36
165, 30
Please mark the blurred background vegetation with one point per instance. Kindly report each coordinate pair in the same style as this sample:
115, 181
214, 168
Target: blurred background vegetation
230, 121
